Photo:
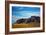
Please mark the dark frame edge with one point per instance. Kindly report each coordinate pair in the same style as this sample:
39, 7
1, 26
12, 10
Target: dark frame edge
7, 16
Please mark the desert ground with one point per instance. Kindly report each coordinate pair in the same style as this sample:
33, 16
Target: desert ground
26, 25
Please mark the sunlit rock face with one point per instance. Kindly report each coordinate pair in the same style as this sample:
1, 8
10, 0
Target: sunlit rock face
29, 20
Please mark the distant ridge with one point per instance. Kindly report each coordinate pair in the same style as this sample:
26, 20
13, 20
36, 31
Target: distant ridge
28, 20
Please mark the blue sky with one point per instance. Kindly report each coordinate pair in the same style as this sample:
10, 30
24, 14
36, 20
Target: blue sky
24, 12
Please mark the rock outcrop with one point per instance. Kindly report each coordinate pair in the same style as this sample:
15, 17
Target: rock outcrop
29, 20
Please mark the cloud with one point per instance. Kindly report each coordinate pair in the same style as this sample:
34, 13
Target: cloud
26, 13
20, 8
29, 14
14, 18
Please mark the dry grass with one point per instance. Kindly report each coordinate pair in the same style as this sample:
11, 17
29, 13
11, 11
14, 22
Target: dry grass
24, 25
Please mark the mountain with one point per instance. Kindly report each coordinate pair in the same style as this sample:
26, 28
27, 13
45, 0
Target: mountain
29, 20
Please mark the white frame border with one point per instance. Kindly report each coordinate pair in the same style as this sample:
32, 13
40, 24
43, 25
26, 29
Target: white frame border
25, 29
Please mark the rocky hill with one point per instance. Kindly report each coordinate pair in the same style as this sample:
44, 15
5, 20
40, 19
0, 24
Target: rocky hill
29, 20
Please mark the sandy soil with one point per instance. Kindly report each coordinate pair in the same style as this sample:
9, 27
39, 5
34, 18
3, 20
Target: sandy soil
24, 25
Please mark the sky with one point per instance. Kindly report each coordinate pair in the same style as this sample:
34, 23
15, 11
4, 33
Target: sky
24, 12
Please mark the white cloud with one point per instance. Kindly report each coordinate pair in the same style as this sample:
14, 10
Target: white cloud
29, 14
21, 8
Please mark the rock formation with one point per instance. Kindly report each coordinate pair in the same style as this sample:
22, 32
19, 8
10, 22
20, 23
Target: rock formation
29, 20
